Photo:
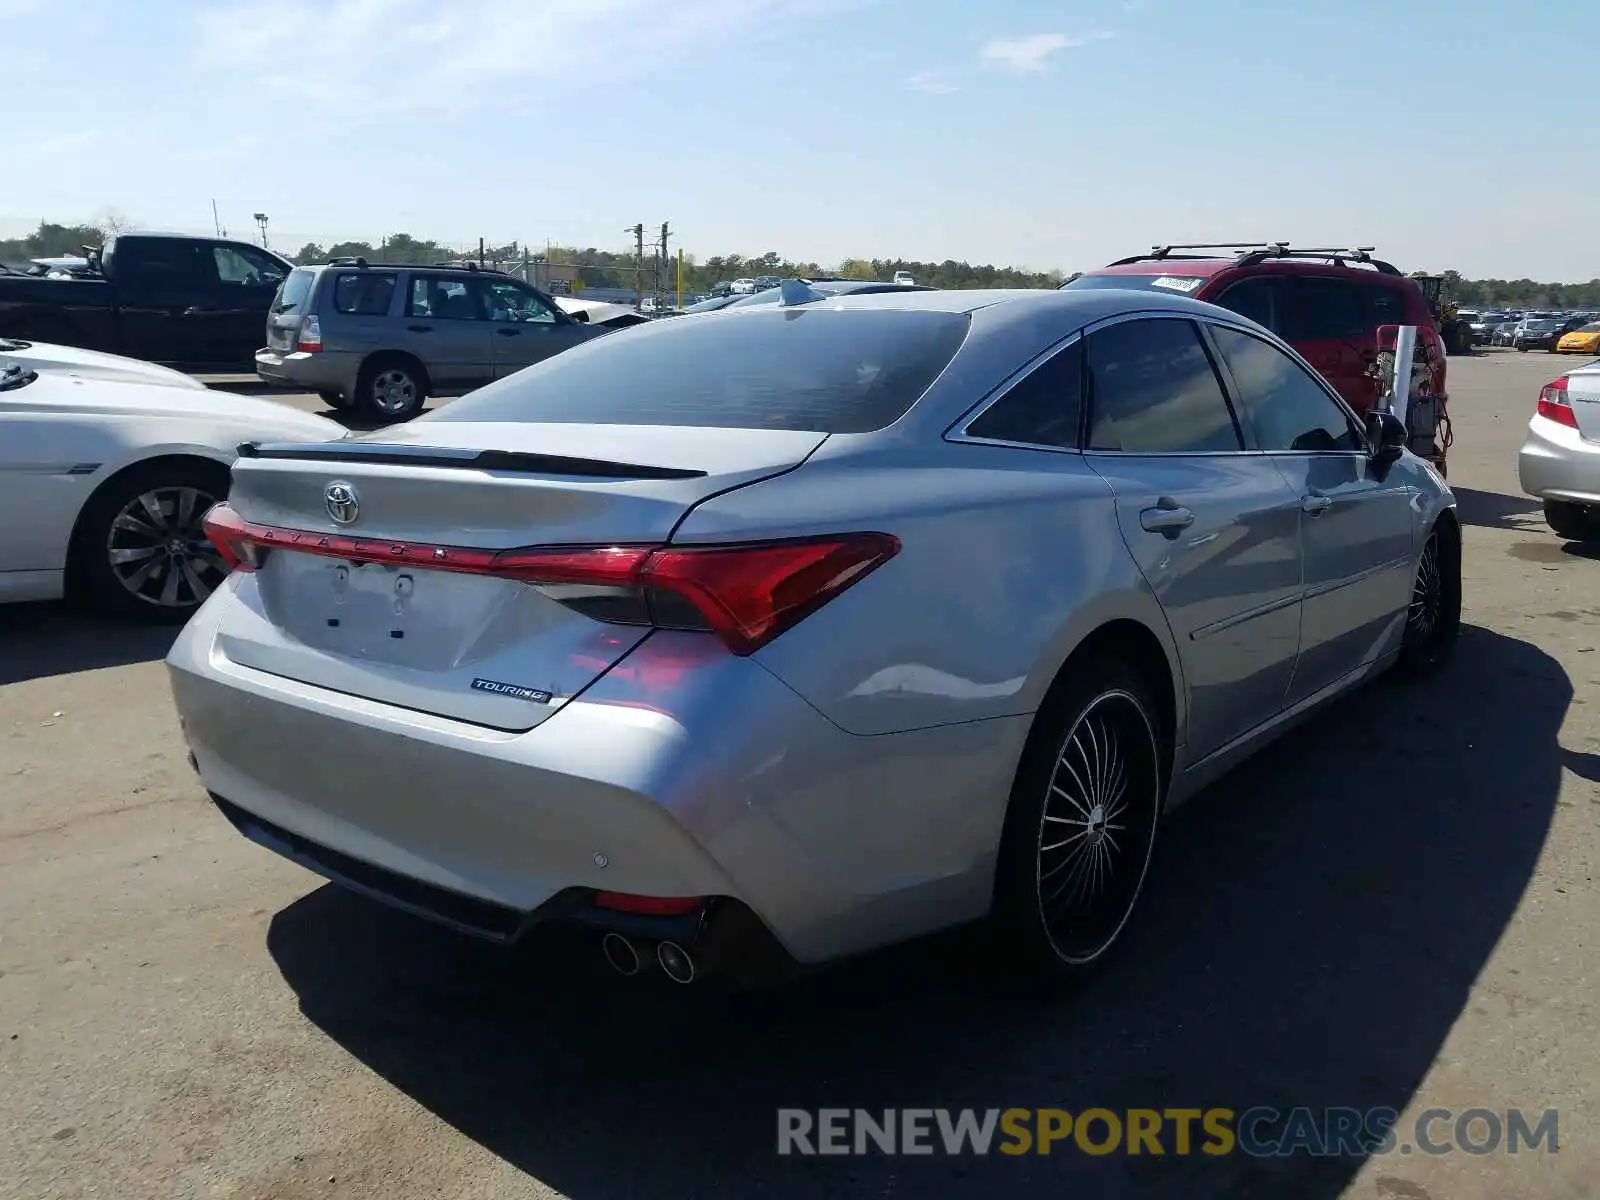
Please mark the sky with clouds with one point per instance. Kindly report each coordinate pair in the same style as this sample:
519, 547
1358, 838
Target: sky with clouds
1040, 133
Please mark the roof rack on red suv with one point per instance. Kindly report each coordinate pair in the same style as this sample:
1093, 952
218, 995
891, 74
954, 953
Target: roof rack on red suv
1250, 253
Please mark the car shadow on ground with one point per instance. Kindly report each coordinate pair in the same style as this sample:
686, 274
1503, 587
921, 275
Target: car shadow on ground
40, 640
1312, 929
1496, 510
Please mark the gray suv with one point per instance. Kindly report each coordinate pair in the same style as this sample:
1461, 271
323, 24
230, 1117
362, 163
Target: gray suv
383, 338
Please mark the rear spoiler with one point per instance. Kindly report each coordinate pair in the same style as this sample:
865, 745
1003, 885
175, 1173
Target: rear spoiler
516, 462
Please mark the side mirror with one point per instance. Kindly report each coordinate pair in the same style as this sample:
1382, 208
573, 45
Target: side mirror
1386, 435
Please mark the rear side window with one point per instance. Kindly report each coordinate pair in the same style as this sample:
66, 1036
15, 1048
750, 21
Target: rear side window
1385, 306
443, 298
1288, 410
821, 370
363, 293
294, 292
1325, 309
1153, 390
1260, 299
1041, 409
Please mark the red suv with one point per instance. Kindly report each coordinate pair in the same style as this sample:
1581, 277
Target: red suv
1328, 304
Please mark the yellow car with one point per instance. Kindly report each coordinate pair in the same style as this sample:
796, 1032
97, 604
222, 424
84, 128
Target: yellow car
1585, 339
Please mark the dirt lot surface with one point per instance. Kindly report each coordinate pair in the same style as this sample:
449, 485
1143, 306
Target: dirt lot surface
1395, 906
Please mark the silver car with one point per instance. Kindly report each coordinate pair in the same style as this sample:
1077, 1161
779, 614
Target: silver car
792, 631
1560, 459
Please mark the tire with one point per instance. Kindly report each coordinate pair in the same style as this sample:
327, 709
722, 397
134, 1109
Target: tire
1102, 726
1520, 348
138, 552
332, 399
1433, 619
391, 387
1574, 522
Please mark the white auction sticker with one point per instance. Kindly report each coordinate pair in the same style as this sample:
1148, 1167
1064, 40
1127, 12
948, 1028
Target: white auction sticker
1177, 284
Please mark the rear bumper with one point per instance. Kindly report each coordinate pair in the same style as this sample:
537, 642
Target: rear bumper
712, 780
1556, 463
325, 371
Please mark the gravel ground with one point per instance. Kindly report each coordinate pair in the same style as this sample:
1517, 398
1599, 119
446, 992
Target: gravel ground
1392, 907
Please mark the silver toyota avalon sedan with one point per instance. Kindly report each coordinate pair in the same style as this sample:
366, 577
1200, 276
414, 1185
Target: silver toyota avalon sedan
788, 632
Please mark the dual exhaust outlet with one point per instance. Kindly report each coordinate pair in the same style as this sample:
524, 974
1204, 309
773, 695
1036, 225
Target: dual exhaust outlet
625, 958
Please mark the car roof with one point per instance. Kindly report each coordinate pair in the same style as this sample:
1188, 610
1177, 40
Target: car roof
1001, 306
434, 268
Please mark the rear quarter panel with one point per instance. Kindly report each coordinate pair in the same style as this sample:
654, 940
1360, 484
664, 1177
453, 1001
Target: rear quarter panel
1009, 559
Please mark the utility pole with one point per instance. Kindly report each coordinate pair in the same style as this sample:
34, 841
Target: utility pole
661, 271
638, 265
261, 223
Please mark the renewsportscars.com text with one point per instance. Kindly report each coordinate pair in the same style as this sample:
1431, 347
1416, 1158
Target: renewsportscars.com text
1213, 1132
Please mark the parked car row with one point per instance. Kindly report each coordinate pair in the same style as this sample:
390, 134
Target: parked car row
1563, 332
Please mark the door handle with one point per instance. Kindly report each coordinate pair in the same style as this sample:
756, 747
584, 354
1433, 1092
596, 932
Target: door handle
194, 310
419, 328
508, 332
1168, 516
1315, 505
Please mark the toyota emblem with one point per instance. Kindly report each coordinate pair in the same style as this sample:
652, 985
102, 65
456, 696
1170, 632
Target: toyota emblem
344, 506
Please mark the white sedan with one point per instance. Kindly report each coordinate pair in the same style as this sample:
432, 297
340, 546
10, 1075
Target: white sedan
103, 484
91, 364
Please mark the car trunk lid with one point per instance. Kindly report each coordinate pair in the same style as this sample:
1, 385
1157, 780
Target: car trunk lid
469, 645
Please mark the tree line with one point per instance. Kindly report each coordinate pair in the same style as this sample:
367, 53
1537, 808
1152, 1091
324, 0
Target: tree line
595, 267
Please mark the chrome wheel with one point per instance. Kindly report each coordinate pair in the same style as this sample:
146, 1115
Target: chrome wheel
158, 551
393, 391
1098, 826
1427, 596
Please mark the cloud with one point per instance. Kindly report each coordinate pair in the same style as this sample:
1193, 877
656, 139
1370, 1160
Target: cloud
935, 83
1027, 54
1132, 6
394, 55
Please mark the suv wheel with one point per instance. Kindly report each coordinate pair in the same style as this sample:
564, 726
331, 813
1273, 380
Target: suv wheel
391, 388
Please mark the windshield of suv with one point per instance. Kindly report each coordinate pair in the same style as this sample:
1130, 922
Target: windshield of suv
294, 291
1542, 326
1183, 285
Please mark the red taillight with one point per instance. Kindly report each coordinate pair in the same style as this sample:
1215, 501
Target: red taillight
1554, 405
310, 339
747, 594
652, 906
233, 536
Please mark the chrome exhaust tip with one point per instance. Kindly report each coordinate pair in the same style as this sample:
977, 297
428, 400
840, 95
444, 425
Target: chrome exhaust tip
620, 954
675, 962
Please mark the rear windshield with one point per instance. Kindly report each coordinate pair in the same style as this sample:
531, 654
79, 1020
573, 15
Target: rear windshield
294, 291
1540, 326
819, 370
1183, 285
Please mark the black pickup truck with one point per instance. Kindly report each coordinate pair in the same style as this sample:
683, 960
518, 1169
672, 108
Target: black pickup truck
193, 302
